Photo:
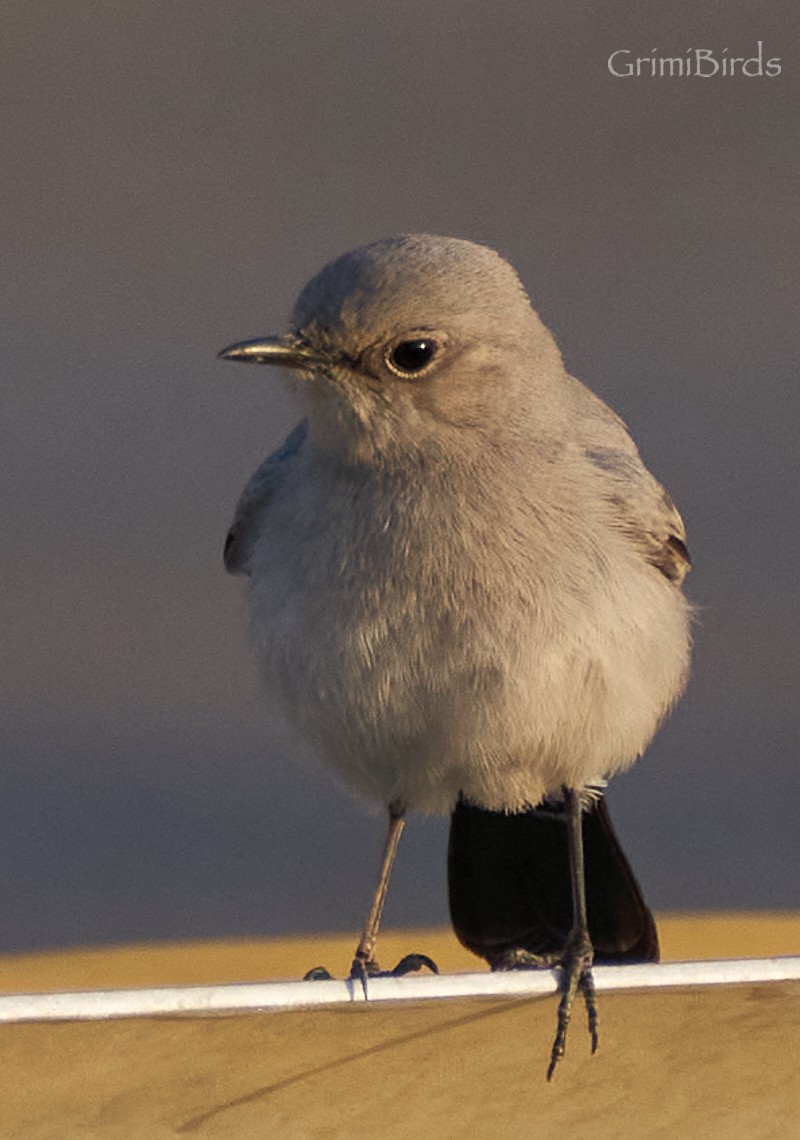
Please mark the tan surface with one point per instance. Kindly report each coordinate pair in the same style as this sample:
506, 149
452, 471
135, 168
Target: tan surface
720, 1062
683, 936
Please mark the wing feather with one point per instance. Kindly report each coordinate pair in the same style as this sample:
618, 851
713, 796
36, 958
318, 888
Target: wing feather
644, 510
255, 498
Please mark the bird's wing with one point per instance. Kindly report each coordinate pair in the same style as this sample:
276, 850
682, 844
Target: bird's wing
255, 498
640, 507
643, 510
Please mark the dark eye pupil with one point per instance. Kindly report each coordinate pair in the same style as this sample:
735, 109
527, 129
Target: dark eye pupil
412, 355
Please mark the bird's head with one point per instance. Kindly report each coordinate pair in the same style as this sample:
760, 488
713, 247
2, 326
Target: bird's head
410, 339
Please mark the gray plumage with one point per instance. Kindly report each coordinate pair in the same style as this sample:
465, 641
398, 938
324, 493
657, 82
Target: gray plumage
462, 578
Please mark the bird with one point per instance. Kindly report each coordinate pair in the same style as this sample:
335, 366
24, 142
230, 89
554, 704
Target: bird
464, 585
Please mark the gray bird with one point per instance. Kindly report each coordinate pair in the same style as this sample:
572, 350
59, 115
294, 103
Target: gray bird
463, 582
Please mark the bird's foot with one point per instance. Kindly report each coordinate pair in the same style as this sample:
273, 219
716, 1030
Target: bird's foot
363, 969
576, 975
519, 959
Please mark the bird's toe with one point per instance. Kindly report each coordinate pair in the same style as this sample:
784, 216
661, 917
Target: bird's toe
318, 974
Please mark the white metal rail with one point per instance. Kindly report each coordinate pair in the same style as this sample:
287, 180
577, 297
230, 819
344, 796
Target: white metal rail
253, 997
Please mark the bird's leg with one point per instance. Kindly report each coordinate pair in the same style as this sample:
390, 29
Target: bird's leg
364, 963
576, 963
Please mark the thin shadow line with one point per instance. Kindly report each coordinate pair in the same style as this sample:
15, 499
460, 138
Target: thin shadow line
248, 1098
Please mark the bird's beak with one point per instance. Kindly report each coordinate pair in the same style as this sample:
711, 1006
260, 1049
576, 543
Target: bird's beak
288, 351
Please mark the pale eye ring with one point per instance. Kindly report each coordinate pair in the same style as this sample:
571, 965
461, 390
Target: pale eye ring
411, 357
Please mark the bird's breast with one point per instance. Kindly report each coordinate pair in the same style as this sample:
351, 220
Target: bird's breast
409, 637
378, 584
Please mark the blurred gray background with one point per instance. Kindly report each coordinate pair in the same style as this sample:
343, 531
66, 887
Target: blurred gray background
172, 173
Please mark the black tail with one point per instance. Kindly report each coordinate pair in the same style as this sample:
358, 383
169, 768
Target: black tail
509, 886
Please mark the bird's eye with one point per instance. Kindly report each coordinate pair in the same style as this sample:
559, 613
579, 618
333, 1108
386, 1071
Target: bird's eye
410, 357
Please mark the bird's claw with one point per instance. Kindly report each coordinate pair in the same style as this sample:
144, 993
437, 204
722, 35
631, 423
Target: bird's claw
318, 974
412, 962
363, 969
576, 975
